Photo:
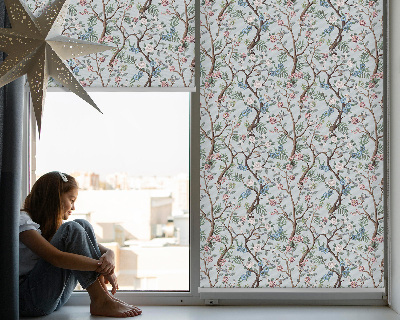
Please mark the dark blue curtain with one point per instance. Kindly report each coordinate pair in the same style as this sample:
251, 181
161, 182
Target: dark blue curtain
11, 112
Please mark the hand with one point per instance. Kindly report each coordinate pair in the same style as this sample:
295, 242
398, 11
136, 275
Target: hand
112, 279
107, 263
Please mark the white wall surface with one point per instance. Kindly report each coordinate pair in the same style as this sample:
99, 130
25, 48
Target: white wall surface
394, 129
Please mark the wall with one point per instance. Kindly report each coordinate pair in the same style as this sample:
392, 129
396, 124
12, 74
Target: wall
394, 133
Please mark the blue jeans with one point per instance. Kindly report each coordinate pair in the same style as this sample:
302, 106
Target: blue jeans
46, 288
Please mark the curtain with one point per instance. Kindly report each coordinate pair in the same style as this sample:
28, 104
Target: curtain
10, 194
292, 144
11, 110
154, 42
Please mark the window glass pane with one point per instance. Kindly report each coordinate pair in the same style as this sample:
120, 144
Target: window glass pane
292, 144
132, 166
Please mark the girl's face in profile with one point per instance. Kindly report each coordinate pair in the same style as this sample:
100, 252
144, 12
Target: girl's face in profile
68, 203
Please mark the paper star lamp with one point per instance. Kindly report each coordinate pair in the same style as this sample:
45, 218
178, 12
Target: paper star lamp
36, 48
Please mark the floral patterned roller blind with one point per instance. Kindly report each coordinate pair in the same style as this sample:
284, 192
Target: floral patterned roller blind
154, 40
292, 143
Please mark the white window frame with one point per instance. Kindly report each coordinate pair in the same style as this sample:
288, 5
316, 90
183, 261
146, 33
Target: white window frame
236, 296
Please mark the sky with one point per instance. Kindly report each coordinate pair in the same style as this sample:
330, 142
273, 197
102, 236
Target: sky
140, 133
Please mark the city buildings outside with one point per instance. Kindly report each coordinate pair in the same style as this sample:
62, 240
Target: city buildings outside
145, 221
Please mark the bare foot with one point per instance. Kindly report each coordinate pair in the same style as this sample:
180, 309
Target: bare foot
101, 279
109, 307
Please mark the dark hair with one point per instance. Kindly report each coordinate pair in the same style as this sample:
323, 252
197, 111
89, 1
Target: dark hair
43, 203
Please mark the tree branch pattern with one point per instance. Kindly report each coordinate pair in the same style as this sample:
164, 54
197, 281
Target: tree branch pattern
154, 41
291, 143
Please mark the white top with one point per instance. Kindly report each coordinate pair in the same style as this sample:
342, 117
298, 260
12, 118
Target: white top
27, 259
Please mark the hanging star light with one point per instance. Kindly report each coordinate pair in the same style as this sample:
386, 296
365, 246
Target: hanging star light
36, 48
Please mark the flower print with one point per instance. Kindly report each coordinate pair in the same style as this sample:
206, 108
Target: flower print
339, 84
141, 64
361, 268
249, 264
225, 279
355, 120
279, 268
272, 38
354, 38
339, 166
257, 166
272, 202
361, 186
332, 18
171, 68
225, 197
149, 48
340, 3
272, 120
354, 284
249, 100
298, 156
272, 284
339, 248
349, 227
257, 248
249, 183
250, 19
354, 202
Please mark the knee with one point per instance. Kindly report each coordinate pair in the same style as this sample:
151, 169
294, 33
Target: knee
72, 226
85, 225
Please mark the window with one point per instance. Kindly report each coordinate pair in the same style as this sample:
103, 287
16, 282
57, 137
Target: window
132, 166
223, 112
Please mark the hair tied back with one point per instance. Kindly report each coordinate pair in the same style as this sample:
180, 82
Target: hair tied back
63, 177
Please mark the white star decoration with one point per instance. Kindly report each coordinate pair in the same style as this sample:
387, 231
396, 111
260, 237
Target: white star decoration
35, 47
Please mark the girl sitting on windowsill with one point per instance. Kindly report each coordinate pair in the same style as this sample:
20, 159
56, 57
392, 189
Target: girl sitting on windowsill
54, 255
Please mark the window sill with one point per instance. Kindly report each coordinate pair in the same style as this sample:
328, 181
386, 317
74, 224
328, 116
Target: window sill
240, 312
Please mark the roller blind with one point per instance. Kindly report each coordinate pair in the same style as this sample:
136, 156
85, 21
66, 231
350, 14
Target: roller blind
292, 189
154, 41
